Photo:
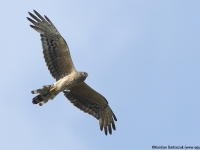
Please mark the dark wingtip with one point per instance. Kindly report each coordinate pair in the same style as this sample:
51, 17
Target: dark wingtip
101, 128
105, 130
109, 129
32, 26
49, 21
113, 126
115, 118
32, 21
30, 14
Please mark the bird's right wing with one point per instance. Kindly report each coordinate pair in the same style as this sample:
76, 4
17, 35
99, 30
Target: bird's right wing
55, 49
93, 103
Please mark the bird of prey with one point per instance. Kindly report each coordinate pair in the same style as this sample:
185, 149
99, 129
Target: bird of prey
68, 80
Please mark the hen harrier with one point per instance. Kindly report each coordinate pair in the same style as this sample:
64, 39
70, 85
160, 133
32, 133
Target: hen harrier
68, 80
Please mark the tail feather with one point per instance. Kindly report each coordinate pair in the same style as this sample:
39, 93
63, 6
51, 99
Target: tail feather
44, 95
44, 89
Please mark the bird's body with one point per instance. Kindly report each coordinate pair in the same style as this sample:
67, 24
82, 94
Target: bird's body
68, 80
66, 83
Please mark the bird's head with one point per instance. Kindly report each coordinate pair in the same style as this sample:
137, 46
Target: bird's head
84, 74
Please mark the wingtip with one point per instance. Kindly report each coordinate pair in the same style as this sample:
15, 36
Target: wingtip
105, 130
30, 14
109, 129
34, 11
113, 126
101, 123
115, 118
32, 26
101, 128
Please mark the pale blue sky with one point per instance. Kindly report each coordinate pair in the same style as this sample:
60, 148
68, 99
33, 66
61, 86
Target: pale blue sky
143, 56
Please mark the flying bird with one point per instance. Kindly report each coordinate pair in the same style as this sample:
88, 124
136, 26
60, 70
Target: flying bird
68, 80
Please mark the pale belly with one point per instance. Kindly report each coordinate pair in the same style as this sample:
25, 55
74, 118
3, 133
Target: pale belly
68, 82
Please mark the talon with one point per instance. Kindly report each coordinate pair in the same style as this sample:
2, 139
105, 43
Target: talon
52, 89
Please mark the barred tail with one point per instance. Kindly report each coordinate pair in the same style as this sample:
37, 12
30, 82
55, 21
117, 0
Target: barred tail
44, 95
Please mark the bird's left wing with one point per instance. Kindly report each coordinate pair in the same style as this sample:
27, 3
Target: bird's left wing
55, 49
93, 103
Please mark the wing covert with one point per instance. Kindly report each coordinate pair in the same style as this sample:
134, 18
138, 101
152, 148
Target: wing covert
55, 49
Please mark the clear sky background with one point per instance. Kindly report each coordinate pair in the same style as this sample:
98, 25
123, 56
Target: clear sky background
143, 56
